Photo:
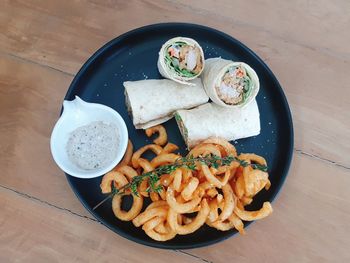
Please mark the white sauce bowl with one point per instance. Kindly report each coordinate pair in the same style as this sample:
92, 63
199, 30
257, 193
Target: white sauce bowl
77, 113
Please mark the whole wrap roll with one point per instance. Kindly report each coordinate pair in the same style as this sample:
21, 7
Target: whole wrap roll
151, 102
210, 120
215, 69
169, 72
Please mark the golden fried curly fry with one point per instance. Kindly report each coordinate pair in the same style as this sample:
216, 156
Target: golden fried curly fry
246, 200
229, 148
219, 198
189, 188
151, 226
162, 194
254, 180
213, 212
157, 204
136, 156
195, 224
181, 207
205, 149
239, 187
169, 148
162, 135
127, 171
217, 182
251, 157
229, 202
115, 177
232, 222
154, 196
127, 156
127, 215
164, 159
177, 175
237, 223
148, 214
162, 227
212, 192
143, 188
254, 215
268, 185
186, 174
147, 167
166, 179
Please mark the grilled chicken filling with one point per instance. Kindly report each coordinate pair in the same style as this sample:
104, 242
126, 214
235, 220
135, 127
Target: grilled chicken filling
235, 86
186, 60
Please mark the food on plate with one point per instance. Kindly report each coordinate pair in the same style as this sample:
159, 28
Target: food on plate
152, 102
181, 59
230, 84
162, 135
93, 146
211, 185
212, 120
127, 156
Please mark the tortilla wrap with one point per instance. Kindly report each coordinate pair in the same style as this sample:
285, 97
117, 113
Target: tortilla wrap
215, 69
151, 102
210, 120
168, 72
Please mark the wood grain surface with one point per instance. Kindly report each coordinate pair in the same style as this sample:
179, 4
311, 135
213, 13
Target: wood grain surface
44, 43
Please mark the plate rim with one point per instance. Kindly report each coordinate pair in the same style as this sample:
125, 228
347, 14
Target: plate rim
284, 171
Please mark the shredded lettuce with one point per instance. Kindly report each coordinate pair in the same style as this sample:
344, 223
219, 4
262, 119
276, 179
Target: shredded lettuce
180, 43
247, 90
247, 87
182, 128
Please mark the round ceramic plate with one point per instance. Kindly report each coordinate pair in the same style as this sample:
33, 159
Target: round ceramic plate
133, 56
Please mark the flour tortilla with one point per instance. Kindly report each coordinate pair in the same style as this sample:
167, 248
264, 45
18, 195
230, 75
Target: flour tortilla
168, 73
215, 69
151, 102
210, 120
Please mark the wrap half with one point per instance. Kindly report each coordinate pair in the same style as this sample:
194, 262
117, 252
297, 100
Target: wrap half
230, 84
151, 102
181, 59
210, 120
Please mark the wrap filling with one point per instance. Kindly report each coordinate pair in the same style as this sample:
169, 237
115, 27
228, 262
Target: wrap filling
184, 59
182, 128
235, 86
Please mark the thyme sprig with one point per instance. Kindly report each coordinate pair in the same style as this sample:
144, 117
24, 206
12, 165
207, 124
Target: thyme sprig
189, 162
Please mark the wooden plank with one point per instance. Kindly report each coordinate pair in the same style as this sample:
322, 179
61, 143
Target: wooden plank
46, 32
30, 99
300, 22
33, 232
310, 222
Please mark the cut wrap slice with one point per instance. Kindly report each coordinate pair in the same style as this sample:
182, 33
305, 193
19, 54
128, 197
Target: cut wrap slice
151, 102
210, 120
181, 59
230, 84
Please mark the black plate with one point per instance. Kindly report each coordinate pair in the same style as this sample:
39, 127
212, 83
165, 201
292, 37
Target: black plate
133, 56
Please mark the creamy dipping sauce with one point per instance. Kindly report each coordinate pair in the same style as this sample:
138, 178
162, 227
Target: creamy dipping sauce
93, 146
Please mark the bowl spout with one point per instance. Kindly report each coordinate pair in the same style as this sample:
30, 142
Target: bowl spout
73, 107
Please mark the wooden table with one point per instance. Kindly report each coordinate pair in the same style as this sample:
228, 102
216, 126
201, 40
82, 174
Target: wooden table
44, 43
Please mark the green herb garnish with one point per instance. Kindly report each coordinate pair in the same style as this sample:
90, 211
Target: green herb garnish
189, 162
